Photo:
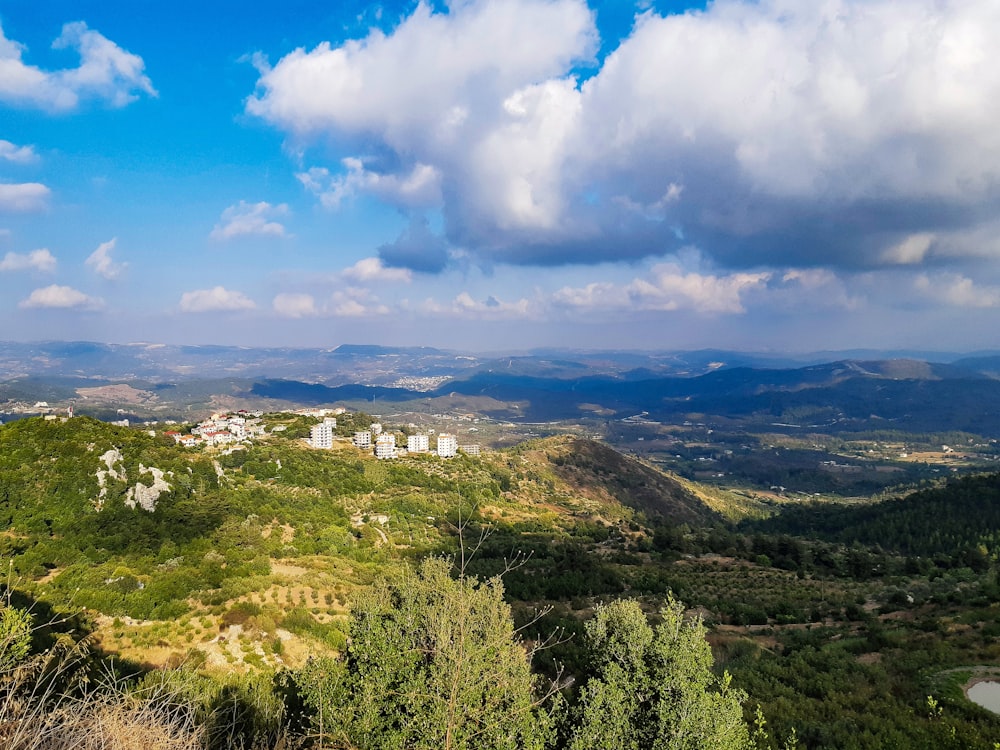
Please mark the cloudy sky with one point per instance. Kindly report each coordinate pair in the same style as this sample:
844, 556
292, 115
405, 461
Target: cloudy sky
502, 174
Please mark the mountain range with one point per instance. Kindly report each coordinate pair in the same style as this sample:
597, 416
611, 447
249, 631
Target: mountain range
948, 392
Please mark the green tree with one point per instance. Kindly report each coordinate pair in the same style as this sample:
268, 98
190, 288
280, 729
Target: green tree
432, 662
654, 688
15, 636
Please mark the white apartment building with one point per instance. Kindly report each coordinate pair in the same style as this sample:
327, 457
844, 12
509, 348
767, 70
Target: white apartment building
331, 421
376, 428
363, 439
447, 445
470, 450
385, 446
321, 436
418, 443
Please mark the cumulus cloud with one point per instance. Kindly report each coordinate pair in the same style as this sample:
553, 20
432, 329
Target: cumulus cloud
668, 287
17, 154
61, 297
373, 269
106, 72
464, 305
102, 263
290, 305
911, 250
958, 291
838, 133
355, 302
419, 188
216, 299
429, 73
24, 196
811, 288
417, 248
37, 260
250, 219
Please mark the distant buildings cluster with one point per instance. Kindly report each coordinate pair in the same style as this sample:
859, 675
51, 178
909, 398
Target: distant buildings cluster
234, 427
384, 443
221, 429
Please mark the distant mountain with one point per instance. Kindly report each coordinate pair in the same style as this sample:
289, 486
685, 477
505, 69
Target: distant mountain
987, 364
372, 350
851, 395
897, 394
383, 365
758, 390
314, 394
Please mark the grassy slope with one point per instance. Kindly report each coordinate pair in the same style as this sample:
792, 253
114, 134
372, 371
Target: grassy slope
273, 539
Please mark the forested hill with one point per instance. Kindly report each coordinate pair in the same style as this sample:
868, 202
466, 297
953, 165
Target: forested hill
84, 503
960, 519
588, 466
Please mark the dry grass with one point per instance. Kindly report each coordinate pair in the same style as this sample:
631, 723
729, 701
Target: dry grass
49, 703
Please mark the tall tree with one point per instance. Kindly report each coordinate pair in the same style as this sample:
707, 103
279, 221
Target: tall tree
654, 688
433, 662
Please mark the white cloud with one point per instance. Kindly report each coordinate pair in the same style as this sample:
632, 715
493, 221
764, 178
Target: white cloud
839, 133
24, 196
106, 72
911, 250
372, 269
355, 302
250, 219
464, 305
290, 305
801, 289
216, 299
100, 260
958, 291
432, 68
17, 154
37, 260
61, 297
668, 287
473, 99
420, 188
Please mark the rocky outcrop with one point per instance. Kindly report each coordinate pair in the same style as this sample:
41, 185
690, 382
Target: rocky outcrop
145, 496
112, 460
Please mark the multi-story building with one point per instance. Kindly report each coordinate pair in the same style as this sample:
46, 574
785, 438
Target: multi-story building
447, 445
376, 428
321, 436
332, 421
470, 450
216, 437
363, 439
418, 443
385, 446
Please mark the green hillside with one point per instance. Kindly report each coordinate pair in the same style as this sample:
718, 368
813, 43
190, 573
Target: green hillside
284, 532
259, 559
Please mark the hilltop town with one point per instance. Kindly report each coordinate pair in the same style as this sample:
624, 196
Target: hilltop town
242, 427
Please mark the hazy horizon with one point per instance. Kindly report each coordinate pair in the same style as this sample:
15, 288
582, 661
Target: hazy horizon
942, 355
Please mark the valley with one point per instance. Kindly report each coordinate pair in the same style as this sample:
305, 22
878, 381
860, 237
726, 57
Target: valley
845, 571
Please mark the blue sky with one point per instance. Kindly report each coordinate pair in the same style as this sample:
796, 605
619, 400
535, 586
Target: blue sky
778, 174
